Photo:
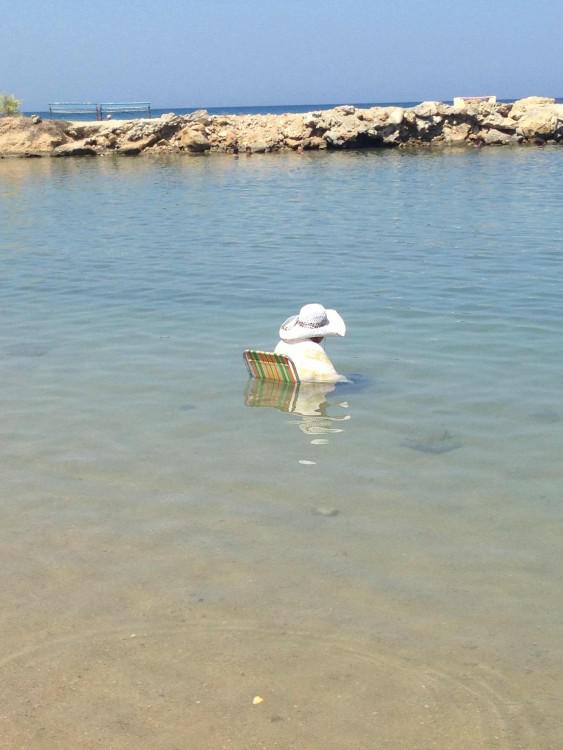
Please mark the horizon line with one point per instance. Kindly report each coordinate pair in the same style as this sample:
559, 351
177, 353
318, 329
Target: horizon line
323, 104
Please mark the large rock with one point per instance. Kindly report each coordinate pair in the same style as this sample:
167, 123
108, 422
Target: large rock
296, 143
295, 129
20, 136
485, 108
455, 135
130, 149
409, 117
428, 109
316, 142
530, 102
151, 131
224, 139
392, 136
200, 115
497, 121
311, 120
345, 109
139, 142
382, 118
425, 127
349, 133
327, 120
194, 140
541, 122
395, 115
256, 147
493, 137
75, 148
260, 134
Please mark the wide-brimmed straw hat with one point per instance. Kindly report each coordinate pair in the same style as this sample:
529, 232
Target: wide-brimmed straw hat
313, 320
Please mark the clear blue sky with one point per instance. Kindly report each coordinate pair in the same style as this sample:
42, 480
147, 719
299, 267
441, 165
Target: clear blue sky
231, 52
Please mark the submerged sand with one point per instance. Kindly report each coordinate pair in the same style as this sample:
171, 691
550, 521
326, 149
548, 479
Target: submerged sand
148, 621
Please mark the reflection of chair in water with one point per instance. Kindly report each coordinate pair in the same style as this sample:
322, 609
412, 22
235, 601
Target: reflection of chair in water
296, 398
271, 393
305, 399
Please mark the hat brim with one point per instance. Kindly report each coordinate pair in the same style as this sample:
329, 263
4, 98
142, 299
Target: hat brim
290, 330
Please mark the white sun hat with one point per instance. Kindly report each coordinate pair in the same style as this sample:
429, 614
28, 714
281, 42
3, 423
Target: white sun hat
313, 320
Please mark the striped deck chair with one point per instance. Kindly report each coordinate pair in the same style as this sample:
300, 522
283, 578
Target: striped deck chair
270, 366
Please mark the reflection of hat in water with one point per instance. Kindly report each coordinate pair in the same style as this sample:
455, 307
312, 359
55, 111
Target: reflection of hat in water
313, 320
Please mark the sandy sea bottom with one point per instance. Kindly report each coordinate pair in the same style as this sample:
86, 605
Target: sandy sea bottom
166, 558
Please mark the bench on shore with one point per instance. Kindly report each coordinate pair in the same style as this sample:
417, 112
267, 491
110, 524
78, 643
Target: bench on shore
98, 111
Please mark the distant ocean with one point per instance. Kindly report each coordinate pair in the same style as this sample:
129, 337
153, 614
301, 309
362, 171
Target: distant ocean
268, 109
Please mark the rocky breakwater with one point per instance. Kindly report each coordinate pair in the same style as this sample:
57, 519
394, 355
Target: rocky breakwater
534, 120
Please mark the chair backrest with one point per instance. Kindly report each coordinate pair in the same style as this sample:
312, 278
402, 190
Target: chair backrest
270, 366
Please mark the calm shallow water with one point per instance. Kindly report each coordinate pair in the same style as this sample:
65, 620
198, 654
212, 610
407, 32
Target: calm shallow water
165, 557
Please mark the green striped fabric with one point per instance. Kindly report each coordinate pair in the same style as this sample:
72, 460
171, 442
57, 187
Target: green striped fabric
270, 366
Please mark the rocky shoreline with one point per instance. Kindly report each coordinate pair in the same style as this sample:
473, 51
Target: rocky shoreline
534, 120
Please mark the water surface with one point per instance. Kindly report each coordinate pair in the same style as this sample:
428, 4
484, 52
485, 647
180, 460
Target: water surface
166, 557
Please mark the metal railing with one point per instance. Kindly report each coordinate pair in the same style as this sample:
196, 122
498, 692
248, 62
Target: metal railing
98, 110
108, 108
75, 108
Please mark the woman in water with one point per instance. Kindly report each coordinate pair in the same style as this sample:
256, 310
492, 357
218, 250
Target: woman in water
301, 340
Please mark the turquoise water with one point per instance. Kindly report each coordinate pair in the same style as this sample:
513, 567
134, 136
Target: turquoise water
165, 555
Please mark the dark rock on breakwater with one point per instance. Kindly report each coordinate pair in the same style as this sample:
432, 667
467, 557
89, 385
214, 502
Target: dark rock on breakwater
535, 120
